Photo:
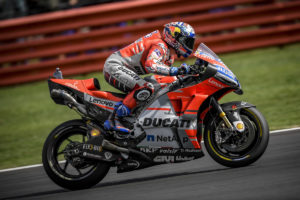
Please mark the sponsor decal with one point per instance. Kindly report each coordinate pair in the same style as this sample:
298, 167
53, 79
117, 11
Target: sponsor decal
108, 155
166, 122
164, 159
148, 150
184, 158
191, 150
92, 147
129, 72
215, 83
133, 163
99, 101
170, 159
225, 71
74, 85
168, 151
160, 138
204, 56
234, 107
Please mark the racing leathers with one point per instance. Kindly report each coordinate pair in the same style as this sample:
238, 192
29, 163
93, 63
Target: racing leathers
149, 54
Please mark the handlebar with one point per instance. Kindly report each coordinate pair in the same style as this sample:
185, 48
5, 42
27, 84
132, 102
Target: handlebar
194, 70
197, 69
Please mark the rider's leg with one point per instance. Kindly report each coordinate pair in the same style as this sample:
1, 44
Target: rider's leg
129, 82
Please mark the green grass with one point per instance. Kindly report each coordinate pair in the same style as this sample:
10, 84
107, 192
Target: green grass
270, 80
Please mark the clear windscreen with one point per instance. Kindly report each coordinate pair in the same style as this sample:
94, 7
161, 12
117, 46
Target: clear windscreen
205, 53
224, 73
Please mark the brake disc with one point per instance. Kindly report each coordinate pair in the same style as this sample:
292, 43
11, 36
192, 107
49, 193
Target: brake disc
241, 141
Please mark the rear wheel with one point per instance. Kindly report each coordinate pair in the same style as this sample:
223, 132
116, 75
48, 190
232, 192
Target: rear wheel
237, 149
66, 170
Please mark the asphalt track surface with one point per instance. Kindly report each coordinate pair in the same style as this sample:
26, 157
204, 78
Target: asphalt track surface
275, 176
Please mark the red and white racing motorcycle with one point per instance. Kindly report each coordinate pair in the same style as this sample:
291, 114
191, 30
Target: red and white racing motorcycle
167, 128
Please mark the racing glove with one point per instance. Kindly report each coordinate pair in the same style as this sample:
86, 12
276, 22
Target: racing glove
183, 69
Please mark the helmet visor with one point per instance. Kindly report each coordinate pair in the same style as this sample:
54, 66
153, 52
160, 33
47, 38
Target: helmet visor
187, 42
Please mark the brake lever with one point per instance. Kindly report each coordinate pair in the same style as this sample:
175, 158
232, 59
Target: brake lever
193, 70
197, 69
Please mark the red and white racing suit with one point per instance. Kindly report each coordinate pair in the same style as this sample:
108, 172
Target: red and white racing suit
149, 54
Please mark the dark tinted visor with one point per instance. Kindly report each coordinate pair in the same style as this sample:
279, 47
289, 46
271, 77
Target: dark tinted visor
185, 41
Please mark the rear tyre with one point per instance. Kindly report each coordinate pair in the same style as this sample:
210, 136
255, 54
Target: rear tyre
242, 149
68, 171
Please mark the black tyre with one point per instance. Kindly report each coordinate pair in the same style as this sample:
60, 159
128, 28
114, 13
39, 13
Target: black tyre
69, 172
242, 149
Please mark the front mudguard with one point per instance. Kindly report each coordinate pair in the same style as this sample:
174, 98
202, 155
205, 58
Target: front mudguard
235, 105
232, 110
228, 108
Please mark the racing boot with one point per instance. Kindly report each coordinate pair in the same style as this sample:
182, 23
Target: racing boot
121, 110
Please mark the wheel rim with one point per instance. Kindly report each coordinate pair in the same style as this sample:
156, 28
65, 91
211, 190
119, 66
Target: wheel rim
64, 165
242, 144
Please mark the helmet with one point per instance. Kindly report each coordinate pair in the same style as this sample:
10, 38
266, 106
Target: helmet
180, 36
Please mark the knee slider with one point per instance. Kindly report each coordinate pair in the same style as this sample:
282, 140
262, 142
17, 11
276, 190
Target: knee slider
144, 93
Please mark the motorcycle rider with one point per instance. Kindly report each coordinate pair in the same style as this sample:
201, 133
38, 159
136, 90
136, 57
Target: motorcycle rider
152, 53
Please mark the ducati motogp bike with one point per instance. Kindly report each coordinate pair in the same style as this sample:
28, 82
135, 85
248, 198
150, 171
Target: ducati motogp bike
166, 128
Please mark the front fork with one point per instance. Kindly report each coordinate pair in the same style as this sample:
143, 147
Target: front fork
233, 121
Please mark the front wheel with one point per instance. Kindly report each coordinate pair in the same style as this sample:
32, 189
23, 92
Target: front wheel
69, 171
240, 149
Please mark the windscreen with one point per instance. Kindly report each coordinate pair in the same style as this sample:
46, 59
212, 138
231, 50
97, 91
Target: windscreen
204, 53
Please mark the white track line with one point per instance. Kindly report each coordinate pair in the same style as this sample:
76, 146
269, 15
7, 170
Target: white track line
39, 165
284, 130
19, 168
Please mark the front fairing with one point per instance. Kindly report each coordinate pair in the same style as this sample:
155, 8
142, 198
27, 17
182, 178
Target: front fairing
224, 74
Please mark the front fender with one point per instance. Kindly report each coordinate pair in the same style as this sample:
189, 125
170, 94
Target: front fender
230, 106
227, 107
236, 105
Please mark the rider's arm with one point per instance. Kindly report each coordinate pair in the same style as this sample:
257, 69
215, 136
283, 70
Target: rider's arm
156, 59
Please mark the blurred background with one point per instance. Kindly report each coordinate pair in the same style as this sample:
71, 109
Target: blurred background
20, 8
257, 39
78, 35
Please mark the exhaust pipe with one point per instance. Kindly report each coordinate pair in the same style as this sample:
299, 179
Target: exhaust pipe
68, 99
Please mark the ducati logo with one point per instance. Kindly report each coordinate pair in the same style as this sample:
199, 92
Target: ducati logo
166, 122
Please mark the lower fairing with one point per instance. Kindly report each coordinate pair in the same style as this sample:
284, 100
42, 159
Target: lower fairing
160, 156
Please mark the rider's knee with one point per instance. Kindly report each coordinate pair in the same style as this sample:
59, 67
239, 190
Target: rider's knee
145, 92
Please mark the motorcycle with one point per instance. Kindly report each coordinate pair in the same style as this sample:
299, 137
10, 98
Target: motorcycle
166, 128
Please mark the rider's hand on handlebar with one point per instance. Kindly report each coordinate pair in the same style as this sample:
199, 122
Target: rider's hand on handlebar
183, 69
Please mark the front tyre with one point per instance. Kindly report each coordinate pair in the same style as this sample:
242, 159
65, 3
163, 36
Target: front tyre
69, 171
240, 149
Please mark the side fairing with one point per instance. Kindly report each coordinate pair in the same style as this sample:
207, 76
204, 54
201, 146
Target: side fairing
104, 103
166, 129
